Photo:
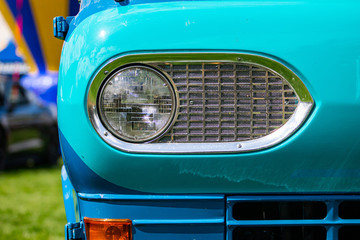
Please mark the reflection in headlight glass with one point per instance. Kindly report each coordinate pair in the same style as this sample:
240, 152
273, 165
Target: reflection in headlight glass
136, 103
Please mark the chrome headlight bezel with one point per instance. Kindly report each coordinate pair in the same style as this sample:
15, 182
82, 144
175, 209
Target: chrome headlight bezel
305, 103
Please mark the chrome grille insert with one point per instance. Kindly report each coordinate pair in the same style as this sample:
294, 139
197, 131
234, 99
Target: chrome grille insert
227, 102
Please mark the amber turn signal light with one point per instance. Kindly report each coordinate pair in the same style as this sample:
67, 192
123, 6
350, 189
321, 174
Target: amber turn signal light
108, 229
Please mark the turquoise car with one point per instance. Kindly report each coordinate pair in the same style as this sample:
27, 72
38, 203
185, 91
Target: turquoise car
211, 120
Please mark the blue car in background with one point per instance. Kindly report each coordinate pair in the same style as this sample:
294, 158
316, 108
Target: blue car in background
28, 129
210, 120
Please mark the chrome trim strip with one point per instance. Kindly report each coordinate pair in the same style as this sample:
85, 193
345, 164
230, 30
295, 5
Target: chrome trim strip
301, 112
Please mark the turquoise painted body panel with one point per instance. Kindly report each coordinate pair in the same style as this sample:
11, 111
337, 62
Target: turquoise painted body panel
319, 42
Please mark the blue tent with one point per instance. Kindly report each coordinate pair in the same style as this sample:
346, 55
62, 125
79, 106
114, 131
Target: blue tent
44, 85
10, 62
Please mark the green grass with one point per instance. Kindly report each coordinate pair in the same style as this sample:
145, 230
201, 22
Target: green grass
31, 204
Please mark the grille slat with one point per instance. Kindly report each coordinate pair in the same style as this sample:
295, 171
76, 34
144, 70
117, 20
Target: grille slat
289, 217
227, 102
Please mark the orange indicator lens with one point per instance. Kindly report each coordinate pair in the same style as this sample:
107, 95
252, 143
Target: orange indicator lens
107, 229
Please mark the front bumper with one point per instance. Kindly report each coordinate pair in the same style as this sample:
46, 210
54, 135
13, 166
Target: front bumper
217, 216
204, 217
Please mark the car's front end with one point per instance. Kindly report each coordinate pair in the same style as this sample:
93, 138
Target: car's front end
211, 120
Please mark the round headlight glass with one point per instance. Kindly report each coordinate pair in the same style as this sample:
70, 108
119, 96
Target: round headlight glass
137, 104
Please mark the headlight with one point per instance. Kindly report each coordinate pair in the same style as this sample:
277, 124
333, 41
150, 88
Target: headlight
137, 104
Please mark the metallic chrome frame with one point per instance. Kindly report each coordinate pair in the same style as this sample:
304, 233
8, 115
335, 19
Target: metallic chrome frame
173, 113
301, 112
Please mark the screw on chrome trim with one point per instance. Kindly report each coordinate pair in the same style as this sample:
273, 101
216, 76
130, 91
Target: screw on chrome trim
106, 72
164, 84
191, 102
239, 146
106, 133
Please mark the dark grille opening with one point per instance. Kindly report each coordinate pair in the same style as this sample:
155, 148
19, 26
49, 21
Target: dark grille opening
349, 233
279, 210
279, 233
349, 210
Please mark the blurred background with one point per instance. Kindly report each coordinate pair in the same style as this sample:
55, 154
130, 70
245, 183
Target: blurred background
31, 205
